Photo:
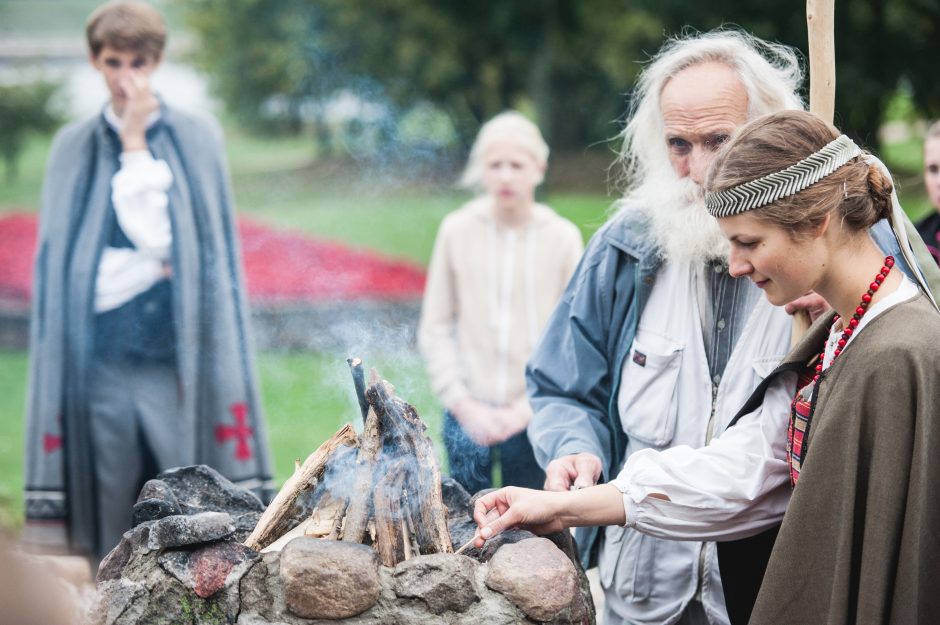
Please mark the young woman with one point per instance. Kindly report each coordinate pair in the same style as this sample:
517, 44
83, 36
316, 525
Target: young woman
844, 435
499, 265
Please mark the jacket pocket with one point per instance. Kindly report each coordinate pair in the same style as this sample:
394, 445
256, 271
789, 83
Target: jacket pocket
647, 397
764, 366
625, 565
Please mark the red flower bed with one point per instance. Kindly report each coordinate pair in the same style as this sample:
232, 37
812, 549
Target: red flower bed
279, 266
285, 266
17, 247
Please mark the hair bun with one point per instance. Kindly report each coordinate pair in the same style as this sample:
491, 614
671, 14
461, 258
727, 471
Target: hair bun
880, 188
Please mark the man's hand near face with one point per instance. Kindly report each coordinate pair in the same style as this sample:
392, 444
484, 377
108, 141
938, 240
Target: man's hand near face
812, 303
141, 103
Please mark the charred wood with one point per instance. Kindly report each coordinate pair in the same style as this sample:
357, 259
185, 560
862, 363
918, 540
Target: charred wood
279, 515
404, 435
359, 382
360, 501
390, 535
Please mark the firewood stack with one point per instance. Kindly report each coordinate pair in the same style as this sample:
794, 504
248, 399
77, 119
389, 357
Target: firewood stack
380, 488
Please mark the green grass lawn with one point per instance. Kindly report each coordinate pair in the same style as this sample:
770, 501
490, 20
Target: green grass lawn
12, 393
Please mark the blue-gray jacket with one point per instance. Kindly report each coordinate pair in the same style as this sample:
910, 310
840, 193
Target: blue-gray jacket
573, 376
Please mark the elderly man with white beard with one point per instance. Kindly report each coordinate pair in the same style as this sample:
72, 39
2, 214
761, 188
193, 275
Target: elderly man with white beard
654, 344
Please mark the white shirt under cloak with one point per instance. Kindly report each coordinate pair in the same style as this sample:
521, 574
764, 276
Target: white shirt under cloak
668, 397
139, 194
712, 490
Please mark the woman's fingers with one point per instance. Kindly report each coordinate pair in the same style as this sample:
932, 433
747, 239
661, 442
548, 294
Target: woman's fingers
536, 511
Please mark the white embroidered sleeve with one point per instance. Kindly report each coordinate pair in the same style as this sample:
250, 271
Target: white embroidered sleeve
735, 487
139, 192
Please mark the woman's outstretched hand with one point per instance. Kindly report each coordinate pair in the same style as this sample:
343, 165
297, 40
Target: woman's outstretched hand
546, 512
533, 510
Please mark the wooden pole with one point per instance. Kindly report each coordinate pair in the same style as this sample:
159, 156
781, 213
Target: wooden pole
820, 28
820, 25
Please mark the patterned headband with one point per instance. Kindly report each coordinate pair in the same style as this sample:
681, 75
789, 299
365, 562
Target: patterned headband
793, 179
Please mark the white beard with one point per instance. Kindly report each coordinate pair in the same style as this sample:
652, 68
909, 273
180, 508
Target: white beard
679, 223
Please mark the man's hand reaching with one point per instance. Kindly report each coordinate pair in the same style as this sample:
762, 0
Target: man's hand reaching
812, 303
578, 471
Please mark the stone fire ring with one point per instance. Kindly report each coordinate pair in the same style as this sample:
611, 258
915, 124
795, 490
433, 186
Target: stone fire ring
183, 562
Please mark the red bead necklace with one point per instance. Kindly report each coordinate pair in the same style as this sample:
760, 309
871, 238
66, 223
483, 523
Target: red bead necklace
859, 313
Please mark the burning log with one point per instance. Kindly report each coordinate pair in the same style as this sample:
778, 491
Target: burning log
358, 513
405, 431
339, 523
276, 518
390, 497
327, 518
359, 382
390, 537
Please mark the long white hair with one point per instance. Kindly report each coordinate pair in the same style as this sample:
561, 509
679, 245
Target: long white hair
771, 75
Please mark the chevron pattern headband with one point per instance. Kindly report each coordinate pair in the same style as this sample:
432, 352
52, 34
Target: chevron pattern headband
793, 179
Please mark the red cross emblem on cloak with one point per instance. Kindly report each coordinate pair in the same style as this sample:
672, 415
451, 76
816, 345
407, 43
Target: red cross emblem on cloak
51, 442
240, 431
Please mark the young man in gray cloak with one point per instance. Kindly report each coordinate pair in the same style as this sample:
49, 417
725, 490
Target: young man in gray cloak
140, 356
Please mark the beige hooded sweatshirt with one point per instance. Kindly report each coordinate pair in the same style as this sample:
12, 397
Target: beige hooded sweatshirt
490, 290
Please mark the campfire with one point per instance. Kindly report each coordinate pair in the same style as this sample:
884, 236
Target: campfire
381, 488
363, 532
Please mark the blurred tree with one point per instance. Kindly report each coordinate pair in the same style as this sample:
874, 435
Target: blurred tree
470, 62
879, 44
24, 108
569, 62
253, 50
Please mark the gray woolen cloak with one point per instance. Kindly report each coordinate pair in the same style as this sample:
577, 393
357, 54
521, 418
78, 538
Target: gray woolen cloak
860, 541
217, 383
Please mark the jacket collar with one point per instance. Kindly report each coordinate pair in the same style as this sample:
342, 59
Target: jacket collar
628, 231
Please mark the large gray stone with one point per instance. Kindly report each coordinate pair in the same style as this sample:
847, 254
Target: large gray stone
200, 488
536, 576
328, 579
158, 489
153, 509
180, 530
134, 540
455, 497
262, 591
245, 524
443, 581
119, 602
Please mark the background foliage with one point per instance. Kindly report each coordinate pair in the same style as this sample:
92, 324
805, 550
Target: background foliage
570, 62
880, 45
24, 109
